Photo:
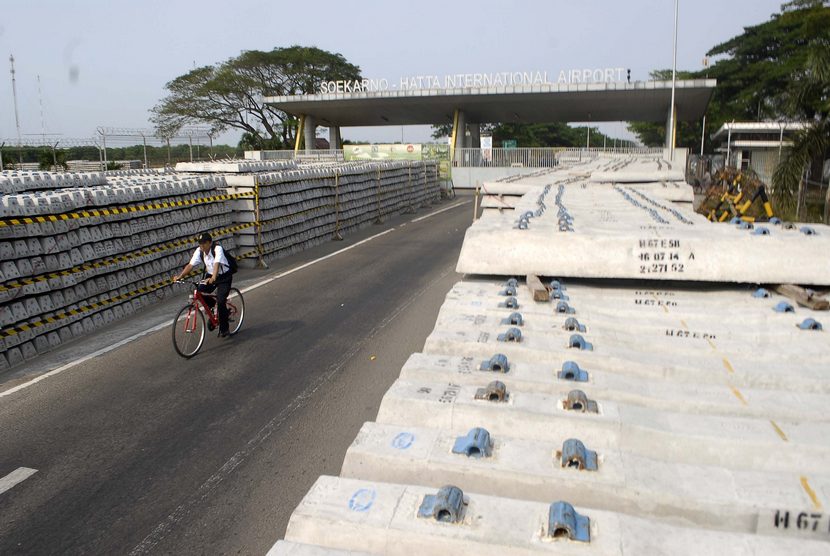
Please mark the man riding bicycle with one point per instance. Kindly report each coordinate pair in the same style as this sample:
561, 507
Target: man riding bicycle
218, 276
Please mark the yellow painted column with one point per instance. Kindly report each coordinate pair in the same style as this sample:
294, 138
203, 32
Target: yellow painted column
300, 131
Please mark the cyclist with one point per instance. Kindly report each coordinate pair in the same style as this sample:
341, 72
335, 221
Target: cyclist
217, 274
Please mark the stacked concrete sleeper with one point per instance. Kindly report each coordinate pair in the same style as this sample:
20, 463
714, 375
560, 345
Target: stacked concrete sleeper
59, 277
52, 269
311, 204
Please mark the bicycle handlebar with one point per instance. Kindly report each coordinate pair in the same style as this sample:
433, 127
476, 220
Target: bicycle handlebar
192, 283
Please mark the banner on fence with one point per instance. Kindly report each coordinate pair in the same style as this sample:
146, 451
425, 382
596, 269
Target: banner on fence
382, 152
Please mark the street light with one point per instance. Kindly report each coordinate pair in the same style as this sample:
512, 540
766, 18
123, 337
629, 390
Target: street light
672, 123
703, 125
16, 117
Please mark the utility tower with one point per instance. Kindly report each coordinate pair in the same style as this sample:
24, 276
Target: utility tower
16, 116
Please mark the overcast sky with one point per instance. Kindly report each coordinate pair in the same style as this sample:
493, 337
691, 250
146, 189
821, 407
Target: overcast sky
105, 63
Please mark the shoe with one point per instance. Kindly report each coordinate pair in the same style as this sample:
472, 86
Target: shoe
210, 326
224, 334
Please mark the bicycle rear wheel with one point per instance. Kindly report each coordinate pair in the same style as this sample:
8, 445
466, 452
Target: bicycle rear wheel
236, 311
189, 331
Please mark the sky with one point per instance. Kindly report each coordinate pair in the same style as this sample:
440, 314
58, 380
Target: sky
105, 63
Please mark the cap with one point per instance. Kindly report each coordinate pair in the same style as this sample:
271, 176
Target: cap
205, 238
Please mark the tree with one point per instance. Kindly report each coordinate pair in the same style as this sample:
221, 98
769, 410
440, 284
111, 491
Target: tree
229, 94
759, 64
753, 69
47, 158
808, 98
250, 142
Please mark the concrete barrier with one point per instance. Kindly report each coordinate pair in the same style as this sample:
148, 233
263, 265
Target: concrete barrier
640, 237
667, 332
624, 482
730, 442
382, 518
754, 373
724, 308
700, 397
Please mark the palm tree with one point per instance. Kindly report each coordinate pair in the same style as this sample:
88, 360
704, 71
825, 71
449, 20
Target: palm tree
809, 99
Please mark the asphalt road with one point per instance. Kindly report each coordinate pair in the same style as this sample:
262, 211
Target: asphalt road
138, 451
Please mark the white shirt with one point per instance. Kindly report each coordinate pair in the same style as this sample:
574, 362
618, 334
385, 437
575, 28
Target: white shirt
210, 260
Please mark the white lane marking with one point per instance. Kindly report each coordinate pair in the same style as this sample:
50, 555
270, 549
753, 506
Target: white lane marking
163, 325
424, 217
84, 359
243, 290
315, 261
17, 476
162, 529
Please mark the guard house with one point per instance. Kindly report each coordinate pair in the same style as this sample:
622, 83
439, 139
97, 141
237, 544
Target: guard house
756, 145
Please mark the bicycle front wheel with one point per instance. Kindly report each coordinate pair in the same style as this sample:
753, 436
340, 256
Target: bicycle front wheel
189, 331
236, 311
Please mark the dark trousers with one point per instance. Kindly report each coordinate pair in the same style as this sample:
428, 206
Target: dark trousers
222, 286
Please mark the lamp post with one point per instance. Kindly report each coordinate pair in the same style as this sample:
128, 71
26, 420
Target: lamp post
16, 117
703, 125
672, 122
144, 143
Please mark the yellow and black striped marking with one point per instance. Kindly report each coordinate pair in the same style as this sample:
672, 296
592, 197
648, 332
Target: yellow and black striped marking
25, 327
117, 259
92, 213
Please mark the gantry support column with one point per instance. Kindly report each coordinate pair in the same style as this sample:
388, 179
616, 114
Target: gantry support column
475, 135
459, 133
335, 141
310, 132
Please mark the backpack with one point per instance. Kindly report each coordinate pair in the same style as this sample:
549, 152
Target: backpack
233, 266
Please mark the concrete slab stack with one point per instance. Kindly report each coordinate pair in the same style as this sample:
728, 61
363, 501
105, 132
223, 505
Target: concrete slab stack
651, 175
235, 166
299, 206
488, 524
79, 251
580, 228
601, 417
96, 166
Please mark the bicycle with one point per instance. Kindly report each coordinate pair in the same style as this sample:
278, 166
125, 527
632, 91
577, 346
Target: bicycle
189, 326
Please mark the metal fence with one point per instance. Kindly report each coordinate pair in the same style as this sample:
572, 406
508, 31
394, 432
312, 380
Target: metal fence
530, 157
538, 157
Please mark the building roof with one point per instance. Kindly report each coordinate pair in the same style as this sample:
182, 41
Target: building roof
748, 128
599, 102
